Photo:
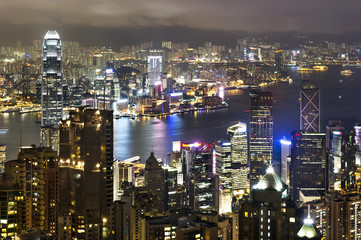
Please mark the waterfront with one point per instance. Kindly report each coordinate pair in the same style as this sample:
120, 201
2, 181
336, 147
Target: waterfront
339, 100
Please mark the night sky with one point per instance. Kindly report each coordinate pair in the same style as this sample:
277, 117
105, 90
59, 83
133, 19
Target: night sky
116, 22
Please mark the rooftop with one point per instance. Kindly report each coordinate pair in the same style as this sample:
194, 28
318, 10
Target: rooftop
52, 35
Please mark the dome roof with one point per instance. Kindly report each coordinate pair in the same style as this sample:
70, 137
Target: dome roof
52, 35
270, 181
306, 84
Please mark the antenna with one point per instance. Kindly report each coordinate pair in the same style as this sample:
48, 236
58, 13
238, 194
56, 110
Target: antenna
308, 214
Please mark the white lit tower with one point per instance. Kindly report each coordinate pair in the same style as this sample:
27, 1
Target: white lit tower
51, 89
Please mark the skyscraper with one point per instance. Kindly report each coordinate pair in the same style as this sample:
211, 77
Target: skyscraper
309, 107
51, 88
308, 163
278, 61
239, 158
285, 160
155, 182
155, 66
85, 173
261, 134
36, 172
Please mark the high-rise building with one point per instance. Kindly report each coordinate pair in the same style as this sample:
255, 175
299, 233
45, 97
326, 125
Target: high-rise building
85, 173
309, 107
239, 158
332, 125
269, 213
278, 61
36, 172
285, 160
155, 182
202, 182
342, 161
345, 212
308, 163
12, 204
51, 89
260, 134
155, 67
224, 171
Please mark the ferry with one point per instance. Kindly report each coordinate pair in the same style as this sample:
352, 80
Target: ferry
304, 69
351, 65
320, 68
346, 72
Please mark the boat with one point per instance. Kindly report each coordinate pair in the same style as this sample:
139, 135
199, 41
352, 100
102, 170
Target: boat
351, 65
320, 68
346, 72
304, 69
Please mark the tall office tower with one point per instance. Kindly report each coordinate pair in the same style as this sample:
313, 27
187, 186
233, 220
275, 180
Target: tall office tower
51, 89
260, 134
155, 182
200, 175
342, 165
237, 134
309, 107
85, 173
285, 160
332, 125
36, 172
279, 61
224, 171
269, 213
155, 67
308, 163
11, 207
2, 157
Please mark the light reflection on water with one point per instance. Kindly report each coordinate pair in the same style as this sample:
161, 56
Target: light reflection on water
141, 135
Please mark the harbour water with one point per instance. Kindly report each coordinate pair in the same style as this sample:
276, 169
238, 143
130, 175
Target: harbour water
340, 99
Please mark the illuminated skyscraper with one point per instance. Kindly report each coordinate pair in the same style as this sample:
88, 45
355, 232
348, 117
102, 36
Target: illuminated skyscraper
285, 160
36, 172
239, 158
261, 134
278, 61
224, 171
342, 161
51, 89
309, 107
308, 163
52, 80
86, 172
155, 61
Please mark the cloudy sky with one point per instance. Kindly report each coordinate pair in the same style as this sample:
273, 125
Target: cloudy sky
137, 20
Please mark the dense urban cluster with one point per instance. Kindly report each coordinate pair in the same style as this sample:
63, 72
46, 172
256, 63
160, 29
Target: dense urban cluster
71, 187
